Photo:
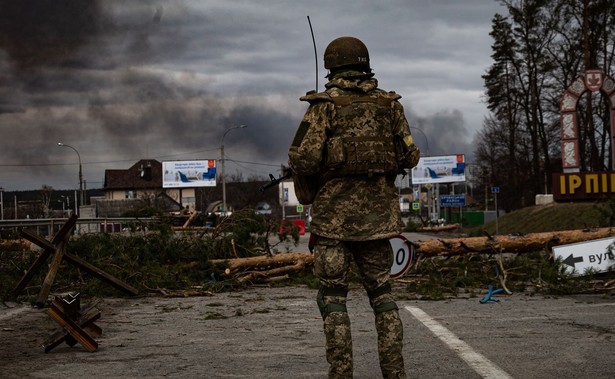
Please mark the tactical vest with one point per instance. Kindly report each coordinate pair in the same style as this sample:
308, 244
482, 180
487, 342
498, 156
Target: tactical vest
362, 142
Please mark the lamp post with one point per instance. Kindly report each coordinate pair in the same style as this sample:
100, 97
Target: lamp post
81, 194
222, 161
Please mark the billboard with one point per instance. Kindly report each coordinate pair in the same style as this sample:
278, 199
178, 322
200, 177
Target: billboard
439, 169
184, 174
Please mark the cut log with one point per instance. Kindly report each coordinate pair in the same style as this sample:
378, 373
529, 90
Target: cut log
263, 261
508, 243
264, 276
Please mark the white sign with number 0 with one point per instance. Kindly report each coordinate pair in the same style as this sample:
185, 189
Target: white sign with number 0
403, 256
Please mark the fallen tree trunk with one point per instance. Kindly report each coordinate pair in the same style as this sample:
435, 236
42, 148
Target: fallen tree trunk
508, 243
259, 268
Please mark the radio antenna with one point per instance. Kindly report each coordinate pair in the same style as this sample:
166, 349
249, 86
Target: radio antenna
315, 53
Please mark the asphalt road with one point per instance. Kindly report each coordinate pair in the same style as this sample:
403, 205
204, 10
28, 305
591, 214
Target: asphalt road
276, 333
267, 332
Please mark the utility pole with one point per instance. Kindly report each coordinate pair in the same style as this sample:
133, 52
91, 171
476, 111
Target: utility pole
222, 161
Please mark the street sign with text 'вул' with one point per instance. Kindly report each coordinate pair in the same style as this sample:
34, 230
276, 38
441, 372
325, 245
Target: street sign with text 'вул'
597, 255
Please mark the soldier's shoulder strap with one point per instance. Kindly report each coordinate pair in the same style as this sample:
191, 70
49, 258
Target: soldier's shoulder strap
383, 99
315, 97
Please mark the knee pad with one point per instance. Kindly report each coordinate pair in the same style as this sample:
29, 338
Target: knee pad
386, 306
326, 308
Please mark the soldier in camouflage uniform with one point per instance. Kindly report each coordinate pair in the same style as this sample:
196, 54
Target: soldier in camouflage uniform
355, 139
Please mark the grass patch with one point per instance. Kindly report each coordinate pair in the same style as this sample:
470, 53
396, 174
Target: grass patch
552, 217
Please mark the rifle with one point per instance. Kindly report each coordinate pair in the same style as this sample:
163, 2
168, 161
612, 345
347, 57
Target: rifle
275, 181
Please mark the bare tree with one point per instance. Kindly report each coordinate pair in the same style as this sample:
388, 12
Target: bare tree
540, 47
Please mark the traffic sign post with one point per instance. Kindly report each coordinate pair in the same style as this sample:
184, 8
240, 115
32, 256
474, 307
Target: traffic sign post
495, 190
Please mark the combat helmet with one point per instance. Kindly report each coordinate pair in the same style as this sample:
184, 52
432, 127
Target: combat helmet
347, 51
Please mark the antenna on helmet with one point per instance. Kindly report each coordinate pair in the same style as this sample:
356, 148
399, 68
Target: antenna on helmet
315, 53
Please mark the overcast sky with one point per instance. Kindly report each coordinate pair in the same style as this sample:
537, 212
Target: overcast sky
122, 81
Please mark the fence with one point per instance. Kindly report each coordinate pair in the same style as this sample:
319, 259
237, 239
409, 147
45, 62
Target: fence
48, 226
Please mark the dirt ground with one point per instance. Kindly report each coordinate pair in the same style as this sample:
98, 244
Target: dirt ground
276, 332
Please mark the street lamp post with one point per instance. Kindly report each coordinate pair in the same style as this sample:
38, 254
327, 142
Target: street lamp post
81, 194
222, 161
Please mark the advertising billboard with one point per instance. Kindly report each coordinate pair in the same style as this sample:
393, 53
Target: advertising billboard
185, 174
439, 169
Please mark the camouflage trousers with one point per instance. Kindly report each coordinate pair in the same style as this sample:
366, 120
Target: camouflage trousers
332, 260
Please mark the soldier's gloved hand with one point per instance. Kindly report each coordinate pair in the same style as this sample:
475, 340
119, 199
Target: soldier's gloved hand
415, 155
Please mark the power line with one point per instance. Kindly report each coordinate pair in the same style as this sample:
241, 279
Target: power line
99, 162
254, 163
128, 160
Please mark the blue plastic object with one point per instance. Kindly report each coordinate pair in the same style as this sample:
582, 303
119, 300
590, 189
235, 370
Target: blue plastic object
489, 297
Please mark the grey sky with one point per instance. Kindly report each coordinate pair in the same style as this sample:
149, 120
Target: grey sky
125, 80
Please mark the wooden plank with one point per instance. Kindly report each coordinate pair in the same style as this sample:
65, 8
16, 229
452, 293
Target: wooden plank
48, 250
38, 263
37, 240
51, 275
64, 230
73, 329
86, 322
100, 274
80, 263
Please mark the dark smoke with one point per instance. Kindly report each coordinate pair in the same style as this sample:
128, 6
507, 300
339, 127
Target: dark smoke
37, 33
444, 133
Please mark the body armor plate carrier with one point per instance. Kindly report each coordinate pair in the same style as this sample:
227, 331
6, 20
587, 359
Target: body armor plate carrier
362, 142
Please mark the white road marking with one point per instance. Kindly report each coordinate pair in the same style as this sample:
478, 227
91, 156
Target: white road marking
478, 362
